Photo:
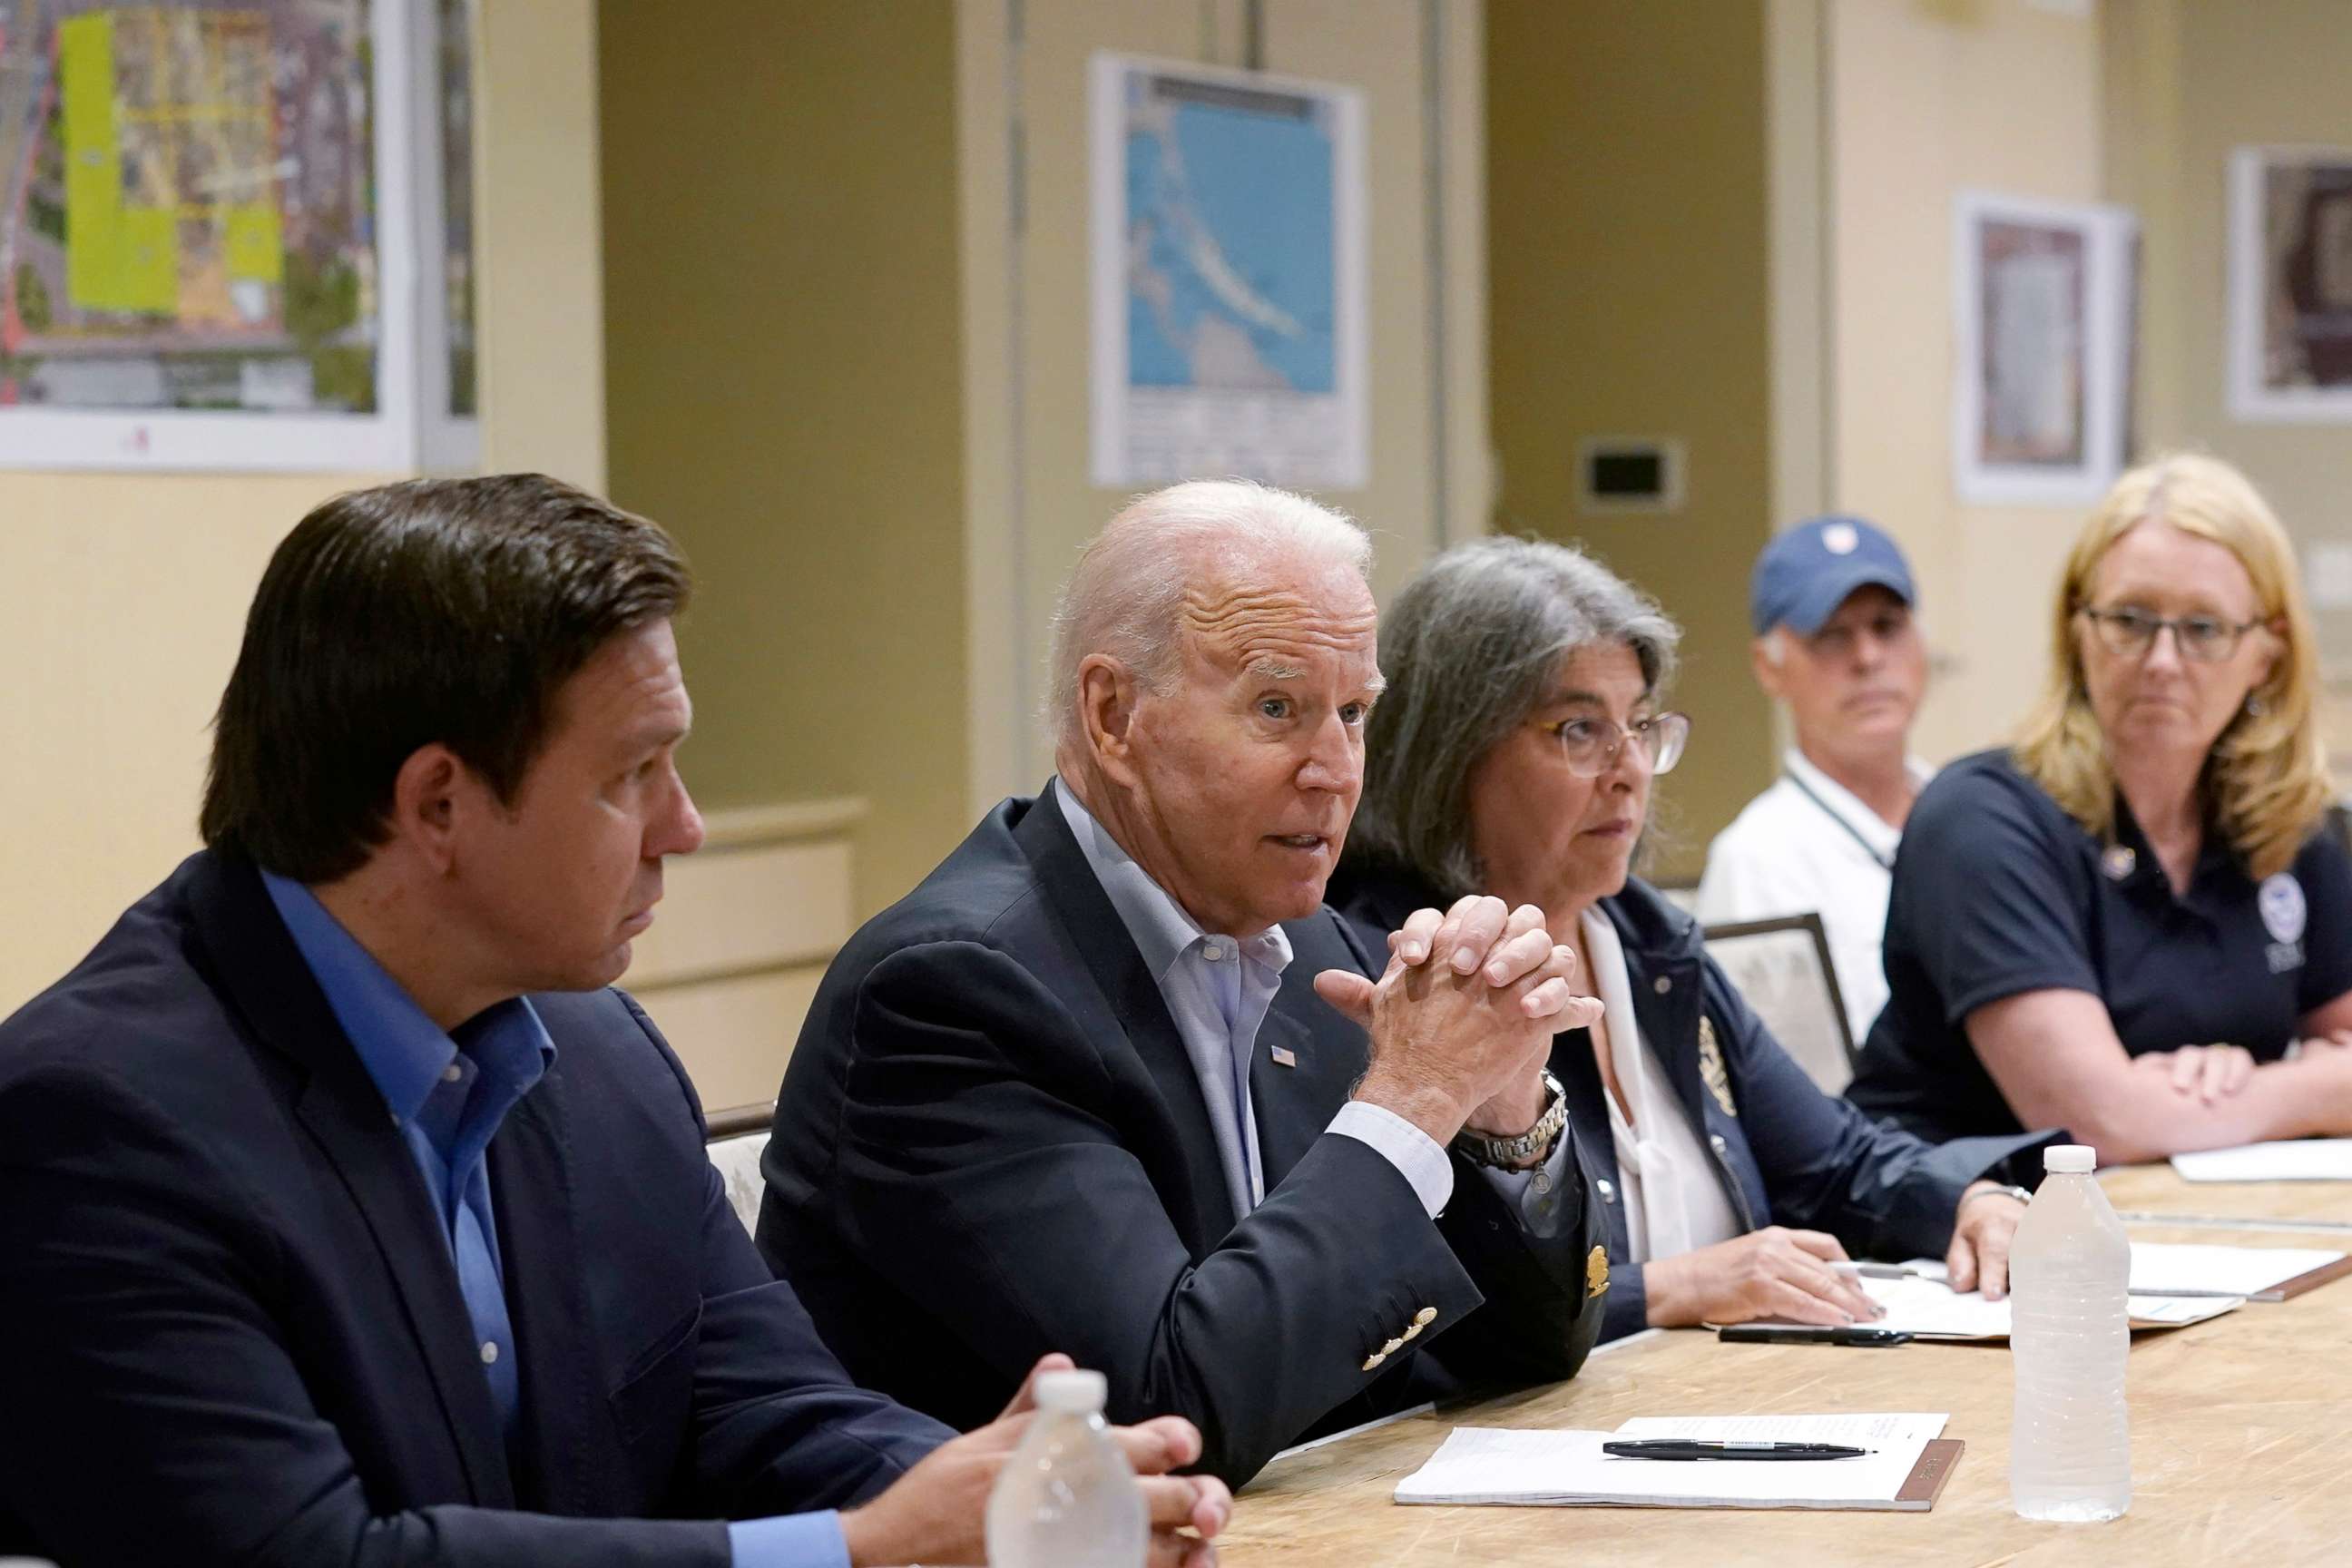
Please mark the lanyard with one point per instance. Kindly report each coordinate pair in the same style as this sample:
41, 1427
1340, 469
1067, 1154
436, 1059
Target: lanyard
1885, 862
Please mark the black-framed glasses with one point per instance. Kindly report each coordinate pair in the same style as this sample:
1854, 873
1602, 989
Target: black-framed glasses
2130, 632
1589, 745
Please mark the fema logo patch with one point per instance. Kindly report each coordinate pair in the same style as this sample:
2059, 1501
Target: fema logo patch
2280, 901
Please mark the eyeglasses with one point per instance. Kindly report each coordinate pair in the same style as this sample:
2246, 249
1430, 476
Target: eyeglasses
1590, 746
2131, 632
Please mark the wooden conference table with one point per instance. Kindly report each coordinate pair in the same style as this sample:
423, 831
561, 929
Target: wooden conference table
2241, 1439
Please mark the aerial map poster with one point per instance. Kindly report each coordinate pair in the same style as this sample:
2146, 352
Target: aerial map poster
1229, 328
191, 254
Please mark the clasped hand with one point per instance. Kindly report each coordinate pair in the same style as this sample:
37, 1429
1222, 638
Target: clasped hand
1462, 1020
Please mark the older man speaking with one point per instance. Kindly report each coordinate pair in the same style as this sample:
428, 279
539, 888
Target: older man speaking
1112, 1080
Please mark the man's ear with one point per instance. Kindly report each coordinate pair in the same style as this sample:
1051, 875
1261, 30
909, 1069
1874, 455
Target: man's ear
430, 796
1106, 697
1767, 669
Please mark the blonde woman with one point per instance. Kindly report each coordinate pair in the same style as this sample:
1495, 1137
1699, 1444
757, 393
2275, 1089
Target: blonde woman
2131, 924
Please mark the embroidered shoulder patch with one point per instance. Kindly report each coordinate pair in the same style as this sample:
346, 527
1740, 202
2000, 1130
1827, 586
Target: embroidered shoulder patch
1710, 1067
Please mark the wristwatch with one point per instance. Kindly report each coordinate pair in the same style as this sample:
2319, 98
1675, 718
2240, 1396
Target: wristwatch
1532, 1146
2020, 1193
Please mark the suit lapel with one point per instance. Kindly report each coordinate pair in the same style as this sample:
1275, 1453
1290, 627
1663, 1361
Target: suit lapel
264, 975
1293, 1100
1202, 1208
539, 1254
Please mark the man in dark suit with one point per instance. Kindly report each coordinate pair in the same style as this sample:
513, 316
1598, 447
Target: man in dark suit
1112, 1077
346, 1215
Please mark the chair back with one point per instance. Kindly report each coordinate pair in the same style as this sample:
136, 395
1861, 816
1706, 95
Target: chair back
1782, 967
738, 1138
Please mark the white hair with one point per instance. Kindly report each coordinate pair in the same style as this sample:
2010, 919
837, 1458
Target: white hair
1127, 593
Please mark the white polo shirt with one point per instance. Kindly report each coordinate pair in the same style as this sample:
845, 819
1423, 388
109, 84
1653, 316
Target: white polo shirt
1807, 844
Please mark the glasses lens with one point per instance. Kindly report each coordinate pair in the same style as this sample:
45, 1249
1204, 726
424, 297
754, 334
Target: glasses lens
2207, 641
1668, 735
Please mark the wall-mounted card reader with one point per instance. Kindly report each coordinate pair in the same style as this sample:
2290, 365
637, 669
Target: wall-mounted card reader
1629, 473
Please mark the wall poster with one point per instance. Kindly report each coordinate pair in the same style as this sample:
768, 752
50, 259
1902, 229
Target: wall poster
2043, 317
1229, 325
2291, 284
208, 233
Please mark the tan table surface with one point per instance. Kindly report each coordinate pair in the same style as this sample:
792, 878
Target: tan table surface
2239, 1434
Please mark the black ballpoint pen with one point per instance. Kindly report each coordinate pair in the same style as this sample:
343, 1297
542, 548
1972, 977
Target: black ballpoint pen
1804, 1334
1700, 1448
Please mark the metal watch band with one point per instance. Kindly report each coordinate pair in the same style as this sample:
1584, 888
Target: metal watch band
2020, 1193
1511, 1153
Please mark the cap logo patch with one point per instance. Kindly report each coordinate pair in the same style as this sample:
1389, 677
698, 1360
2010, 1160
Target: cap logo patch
1840, 538
2284, 910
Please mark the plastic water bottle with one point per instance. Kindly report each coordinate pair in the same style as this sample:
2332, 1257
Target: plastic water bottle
2069, 1334
1067, 1497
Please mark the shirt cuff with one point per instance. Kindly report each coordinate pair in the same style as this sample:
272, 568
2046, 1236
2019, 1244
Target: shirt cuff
1536, 1195
789, 1541
1418, 1156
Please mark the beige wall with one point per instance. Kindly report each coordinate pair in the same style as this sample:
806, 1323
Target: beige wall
782, 351
1927, 97
2192, 82
131, 590
1627, 244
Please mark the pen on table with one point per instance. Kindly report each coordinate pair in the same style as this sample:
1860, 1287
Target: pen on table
1876, 1271
1702, 1448
1806, 1334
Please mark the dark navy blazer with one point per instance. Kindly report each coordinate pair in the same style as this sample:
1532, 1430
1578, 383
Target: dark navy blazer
990, 1142
1786, 1152
231, 1331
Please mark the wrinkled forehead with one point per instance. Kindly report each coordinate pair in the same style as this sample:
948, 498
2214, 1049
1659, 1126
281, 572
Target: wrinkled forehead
1280, 619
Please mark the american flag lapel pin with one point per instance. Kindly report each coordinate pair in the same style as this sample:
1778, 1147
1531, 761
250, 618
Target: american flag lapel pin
1284, 1056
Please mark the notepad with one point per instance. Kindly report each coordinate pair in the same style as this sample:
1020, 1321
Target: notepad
2290, 1159
2257, 1273
1484, 1464
1925, 1305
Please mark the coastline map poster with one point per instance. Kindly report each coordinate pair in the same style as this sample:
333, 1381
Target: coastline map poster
1228, 314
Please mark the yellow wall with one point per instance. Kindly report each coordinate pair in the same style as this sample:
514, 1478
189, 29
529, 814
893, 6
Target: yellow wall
1626, 227
783, 365
130, 590
2191, 83
1927, 97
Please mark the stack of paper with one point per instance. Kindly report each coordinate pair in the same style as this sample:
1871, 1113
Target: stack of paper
2299, 1160
2171, 1287
1492, 1465
2260, 1273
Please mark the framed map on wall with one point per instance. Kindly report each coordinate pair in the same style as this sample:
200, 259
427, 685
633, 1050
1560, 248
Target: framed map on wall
1228, 325
209, 233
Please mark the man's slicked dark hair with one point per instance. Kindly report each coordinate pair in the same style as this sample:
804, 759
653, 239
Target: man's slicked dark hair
447, 610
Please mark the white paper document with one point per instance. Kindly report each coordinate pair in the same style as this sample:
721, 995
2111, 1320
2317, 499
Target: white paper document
1538, 1468
2162, 1269
1925, 1303
2294, 1160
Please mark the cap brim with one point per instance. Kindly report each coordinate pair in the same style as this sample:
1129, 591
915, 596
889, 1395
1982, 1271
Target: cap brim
1822, 596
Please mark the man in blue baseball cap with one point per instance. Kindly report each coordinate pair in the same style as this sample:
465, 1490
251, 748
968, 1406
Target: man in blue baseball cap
1831, 604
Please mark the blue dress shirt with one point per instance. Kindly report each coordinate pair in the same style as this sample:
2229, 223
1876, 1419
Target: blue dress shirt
448, 1093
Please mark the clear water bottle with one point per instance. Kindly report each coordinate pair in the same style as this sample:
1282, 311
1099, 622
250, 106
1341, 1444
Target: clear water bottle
2069, 1334
1067, 1497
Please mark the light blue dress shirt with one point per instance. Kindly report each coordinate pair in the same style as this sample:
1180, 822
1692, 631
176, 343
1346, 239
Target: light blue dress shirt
449, 1093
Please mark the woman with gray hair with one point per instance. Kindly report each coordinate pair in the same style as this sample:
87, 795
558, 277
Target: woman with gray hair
1513, 754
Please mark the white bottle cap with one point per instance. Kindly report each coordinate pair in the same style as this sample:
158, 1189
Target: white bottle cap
2070, 1159
1072, 1393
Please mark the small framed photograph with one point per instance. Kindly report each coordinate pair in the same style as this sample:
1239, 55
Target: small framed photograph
2042, 307
2042, 317
2291, 285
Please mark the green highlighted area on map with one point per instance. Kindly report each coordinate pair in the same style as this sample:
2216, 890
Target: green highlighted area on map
117, 256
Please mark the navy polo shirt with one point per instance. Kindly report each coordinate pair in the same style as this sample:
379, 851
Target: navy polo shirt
1998, 892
